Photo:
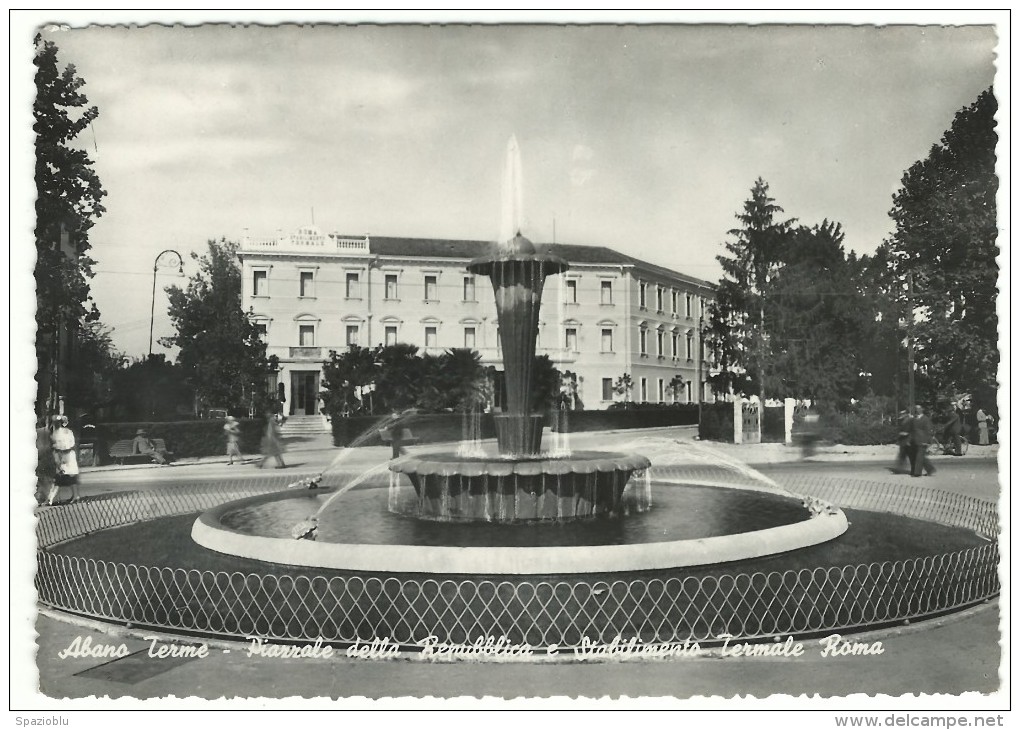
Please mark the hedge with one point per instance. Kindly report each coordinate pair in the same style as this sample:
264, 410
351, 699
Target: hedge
426, 428
438, 427
840, 428
854, 429
716, 422
203, 437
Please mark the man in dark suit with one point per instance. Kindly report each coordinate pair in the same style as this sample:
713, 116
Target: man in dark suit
920, 437
904, 453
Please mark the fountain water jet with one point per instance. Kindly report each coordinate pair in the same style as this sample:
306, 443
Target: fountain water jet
522, 483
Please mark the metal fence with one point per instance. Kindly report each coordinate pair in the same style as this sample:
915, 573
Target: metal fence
569, 612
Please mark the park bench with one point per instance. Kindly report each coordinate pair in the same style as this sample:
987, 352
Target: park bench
122, 450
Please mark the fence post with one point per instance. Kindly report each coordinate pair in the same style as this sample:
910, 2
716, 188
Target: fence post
738, 420
788, 406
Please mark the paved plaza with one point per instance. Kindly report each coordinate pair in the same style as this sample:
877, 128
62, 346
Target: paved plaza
953, 654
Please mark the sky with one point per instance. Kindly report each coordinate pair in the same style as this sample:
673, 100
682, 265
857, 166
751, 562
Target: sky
643, 138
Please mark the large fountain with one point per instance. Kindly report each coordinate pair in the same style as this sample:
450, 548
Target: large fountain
512, 508
521, 482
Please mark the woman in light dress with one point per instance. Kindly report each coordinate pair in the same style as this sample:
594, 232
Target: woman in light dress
65, 459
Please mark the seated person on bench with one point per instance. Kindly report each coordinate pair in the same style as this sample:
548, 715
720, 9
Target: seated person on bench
143, 446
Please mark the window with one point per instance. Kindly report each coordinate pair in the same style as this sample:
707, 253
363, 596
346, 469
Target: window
352, 334
673, 298
689, 308
306, 335
499, 340
469, 288
644, 390
607, 340
305, 279
391, 286
391, 335
571, 291
687, 391
660, 344
659, 295
263, 330
431, 335
260, 283
607, 388
571, 339
353, 290
607, 292
662, 391
676, 345
431, 288
643, 295
469, 337
643, 340
690, 345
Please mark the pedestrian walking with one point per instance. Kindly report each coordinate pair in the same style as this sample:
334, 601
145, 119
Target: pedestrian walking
272, 446
65, 460
233, 430
983, 422
920, 437
903, 453
953, 431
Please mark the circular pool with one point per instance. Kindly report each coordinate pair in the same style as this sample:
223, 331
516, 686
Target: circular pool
688, 525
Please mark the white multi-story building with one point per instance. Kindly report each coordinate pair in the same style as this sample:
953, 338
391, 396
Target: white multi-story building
608, 315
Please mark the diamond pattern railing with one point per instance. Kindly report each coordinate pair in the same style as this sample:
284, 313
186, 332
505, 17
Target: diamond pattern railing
407, 610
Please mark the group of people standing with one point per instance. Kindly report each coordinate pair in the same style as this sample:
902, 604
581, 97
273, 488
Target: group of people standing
270, 446
915, 434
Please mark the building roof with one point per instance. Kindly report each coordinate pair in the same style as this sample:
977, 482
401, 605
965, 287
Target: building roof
572, 252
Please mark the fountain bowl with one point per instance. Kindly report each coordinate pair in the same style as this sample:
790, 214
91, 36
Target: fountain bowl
584, 484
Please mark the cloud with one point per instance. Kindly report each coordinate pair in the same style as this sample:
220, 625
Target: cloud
582, 153
580, 176
581, 172
188, 152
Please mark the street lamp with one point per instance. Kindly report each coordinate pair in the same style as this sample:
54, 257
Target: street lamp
174, 259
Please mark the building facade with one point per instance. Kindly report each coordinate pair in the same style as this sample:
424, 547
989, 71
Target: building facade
608, 315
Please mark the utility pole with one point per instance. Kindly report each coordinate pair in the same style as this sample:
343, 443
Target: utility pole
910, 341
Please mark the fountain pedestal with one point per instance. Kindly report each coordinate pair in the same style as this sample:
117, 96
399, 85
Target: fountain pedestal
519, 434
522, 484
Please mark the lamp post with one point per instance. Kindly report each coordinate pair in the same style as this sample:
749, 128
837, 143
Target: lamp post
173, 260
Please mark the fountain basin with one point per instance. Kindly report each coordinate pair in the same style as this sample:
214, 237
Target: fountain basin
583, 485
788, 530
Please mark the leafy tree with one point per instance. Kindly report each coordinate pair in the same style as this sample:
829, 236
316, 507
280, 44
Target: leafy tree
815, 315
454, 381
398, 381
96, 363
68, 201
884, 356
736, 329
676, 386
623, 385
346, 377
221, 351
151, 389
568, 397
945, 241
545, 384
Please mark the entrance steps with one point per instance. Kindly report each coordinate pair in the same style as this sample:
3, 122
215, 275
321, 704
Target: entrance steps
305, 425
